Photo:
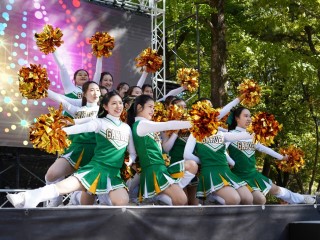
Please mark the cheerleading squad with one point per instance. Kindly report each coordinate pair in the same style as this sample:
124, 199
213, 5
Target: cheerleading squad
219, 169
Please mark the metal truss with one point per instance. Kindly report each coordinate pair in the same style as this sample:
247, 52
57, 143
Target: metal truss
156, 10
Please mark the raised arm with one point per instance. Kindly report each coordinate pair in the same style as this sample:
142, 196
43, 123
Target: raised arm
189, 148
97, 74
142, 79
227, 108
173, 92
145, 127
67, 84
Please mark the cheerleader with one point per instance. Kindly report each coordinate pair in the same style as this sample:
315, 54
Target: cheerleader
80, 77
102, 174
242, 155
175, 144
155, 177
81, 150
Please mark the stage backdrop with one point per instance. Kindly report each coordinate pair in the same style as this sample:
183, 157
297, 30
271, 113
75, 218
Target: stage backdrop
78, 20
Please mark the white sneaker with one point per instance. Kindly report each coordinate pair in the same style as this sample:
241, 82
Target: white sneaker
16, 199
309, 199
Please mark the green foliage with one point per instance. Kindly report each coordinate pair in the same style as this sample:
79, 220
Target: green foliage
276, 43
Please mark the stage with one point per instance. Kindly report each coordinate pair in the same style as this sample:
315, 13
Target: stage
163, 222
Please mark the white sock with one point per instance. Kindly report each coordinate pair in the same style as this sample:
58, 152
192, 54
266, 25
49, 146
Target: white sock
58, 200
104, 199
76, 198
164, 198
188, 176
34, 197
214, 197
290, 197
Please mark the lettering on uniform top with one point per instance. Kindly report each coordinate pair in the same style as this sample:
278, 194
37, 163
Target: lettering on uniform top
84, 114
245, 146
79, 95
216, 139
112, 134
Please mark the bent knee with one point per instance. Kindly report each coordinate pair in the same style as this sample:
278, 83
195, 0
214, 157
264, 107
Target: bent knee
191, 166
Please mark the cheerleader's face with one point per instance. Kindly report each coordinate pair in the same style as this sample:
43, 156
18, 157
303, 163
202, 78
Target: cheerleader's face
147, 110
244, 120
114, 106
93, 93
107, 82
81, 78
123, 90
136, 92
148, 91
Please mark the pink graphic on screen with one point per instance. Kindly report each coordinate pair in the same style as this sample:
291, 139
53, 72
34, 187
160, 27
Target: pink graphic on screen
78, 20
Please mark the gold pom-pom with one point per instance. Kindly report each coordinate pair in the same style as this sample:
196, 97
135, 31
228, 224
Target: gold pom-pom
250, 93
149, 59
33, 82
49, 39
126, 172
295, 159
176, 112
160, 113
188, 77
265, 127
46, 133
204, 120
102, 44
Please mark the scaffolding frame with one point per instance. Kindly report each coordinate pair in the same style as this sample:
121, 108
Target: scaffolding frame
155, 9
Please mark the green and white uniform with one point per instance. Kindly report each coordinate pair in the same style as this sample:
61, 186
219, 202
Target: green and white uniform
102, 173
155, 177
211, 154
81, 150
243, 154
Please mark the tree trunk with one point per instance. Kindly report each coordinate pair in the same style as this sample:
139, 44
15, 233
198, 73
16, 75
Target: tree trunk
218, 53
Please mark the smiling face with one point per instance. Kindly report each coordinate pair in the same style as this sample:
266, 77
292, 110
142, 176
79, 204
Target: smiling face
107, 82
93, 93
81, 77
146, 110
115, 106
244, 119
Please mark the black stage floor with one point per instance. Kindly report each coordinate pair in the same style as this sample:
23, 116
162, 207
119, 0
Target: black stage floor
163, 222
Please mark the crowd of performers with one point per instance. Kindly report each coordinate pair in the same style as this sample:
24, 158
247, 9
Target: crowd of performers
220, 168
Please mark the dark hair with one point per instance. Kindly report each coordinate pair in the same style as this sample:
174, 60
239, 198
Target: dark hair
130, 90
120, 85
132, 112
76, 73
104, 101
103, 74
128, 100
177, 100
233, 114
169, 100
85, 88
144, 86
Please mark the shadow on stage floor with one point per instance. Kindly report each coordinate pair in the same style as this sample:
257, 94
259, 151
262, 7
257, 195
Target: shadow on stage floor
163, 222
